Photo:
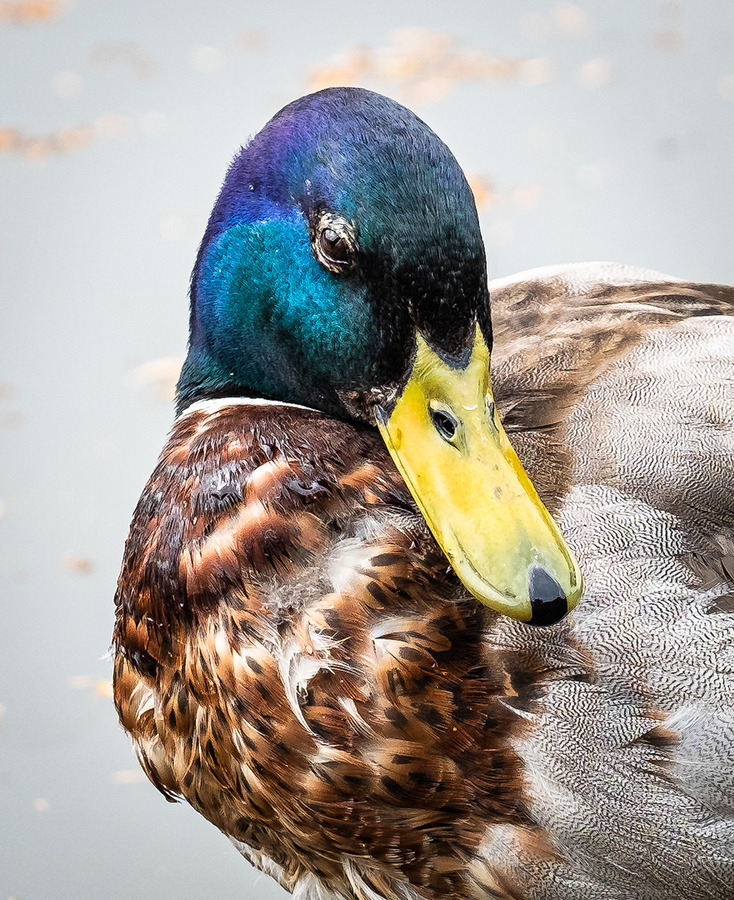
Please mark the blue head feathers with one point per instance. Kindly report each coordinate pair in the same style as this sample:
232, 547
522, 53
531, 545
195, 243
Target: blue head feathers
341, 229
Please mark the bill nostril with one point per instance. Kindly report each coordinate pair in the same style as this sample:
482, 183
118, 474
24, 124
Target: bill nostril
444, 423
547, 598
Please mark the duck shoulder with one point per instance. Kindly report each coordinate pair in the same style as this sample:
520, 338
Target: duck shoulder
557, 329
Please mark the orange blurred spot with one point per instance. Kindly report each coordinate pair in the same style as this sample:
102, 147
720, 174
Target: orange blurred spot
101, 687
9, 139
484, 193
79, 564
426, 65
29, 11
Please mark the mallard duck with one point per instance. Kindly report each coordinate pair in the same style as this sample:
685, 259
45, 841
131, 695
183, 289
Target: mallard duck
340, 629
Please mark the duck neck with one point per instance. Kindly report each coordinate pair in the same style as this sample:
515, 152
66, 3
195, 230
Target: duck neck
203, 378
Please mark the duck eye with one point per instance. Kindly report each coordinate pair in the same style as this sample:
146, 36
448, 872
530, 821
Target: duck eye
444, 423
334, 244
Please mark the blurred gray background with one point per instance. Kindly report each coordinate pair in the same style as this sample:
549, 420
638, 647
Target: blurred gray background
589, 130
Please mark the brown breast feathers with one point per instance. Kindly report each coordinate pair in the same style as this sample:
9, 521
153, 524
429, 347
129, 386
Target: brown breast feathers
295, 659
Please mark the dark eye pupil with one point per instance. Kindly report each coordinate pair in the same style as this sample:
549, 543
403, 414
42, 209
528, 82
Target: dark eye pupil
444, 423
334, 246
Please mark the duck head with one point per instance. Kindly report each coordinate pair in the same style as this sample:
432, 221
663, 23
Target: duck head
343, 269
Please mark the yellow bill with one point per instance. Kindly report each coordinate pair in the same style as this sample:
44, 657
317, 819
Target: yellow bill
449, 446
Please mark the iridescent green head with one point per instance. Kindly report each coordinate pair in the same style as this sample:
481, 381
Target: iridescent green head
343, 269
344, 226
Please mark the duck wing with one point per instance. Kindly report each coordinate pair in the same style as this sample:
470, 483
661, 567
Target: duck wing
618, 387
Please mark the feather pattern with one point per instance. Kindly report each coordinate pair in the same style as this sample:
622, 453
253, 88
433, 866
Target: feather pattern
294, 658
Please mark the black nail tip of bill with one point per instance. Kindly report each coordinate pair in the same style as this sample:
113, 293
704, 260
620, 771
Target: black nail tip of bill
547, 598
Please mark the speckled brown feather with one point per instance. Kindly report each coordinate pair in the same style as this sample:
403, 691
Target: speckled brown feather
295, 658
296, 661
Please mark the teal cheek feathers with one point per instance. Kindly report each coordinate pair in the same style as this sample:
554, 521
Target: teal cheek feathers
272, 319
268, 320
